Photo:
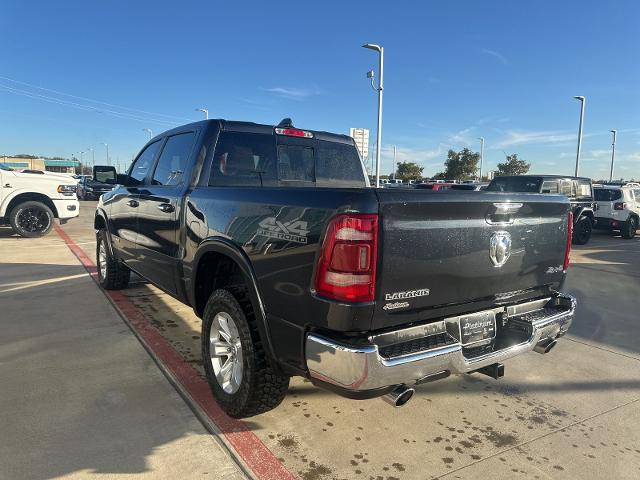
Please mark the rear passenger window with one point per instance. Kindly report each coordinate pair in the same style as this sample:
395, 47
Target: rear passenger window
565, 187
338, 165
143, 163
243, 159
173, 159
550, 187
296, 163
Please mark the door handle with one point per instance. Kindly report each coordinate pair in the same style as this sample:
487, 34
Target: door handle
133, 203
166, 207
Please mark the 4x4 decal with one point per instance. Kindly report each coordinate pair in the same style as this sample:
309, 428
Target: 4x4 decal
293, 231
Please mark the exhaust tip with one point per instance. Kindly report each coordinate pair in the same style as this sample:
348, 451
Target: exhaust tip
399, 397
545, 346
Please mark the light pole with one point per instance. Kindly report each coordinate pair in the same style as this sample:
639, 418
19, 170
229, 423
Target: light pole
613, 153
370, 74
481, 156
205, 111
93, 157
582, 102
395, 164
106, 145
149, 131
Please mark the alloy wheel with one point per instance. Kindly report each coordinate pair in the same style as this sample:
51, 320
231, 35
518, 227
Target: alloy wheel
33, 220
226, 352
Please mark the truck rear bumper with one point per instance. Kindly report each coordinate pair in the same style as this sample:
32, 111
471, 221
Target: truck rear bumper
420, 354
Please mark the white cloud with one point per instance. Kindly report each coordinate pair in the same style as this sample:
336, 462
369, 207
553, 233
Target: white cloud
600, 153
495, 54
521, 137
463, 137
294, 93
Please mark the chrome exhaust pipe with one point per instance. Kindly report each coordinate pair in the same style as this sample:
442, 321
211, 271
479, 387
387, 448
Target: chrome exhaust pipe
545, 346
399, 396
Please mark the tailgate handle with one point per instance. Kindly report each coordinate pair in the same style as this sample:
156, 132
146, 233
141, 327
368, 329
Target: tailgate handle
503, 213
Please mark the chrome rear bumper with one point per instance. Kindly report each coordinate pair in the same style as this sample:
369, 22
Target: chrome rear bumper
522, 327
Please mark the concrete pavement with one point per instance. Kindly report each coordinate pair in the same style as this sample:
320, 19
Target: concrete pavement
80, 397
570, 414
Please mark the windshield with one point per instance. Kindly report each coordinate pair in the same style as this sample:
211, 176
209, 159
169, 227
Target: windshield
515, 184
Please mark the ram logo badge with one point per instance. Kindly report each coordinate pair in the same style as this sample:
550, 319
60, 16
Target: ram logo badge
293, 231
500, 248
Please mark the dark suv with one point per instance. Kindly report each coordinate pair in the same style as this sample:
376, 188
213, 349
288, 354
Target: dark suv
578, 189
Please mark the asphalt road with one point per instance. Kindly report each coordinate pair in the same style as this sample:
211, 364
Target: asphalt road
570, 414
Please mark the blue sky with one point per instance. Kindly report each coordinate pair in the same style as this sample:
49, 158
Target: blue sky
454, 71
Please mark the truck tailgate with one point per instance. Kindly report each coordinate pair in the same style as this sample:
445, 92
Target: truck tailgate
436, 252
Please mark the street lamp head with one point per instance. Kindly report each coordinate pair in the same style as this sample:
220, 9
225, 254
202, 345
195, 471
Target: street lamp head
371, 74
372, 46
613, 131
579, 97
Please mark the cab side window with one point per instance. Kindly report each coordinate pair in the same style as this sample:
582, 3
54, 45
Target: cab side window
243, 159
173, 159
143, 163
550, 186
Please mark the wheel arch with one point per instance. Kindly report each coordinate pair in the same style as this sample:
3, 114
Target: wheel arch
218, 263
30, 196
100, 222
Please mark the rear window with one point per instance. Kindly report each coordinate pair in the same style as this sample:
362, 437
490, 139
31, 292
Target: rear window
515, 184
245, 159
607, 194
463, 187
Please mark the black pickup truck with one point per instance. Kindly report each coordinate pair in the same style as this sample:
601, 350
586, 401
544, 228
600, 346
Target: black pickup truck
298, 267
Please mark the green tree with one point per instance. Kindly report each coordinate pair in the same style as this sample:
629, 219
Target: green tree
513, 166
409, 171
461, 165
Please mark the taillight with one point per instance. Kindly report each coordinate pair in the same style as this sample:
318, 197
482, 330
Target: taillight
619, 206
294, 132
347, 264
567, 251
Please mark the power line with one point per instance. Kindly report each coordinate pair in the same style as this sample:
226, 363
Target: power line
57, 92
84, 107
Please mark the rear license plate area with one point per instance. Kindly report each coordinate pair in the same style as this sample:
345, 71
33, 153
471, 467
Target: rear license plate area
477, 328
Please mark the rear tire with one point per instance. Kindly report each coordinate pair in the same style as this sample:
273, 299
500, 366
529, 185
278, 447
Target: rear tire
629, 228
31, 219
112, 274
582, 231
250, 386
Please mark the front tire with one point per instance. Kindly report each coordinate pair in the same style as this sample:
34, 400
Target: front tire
31, 219
112, 274
239, 374
582, 231
629, 228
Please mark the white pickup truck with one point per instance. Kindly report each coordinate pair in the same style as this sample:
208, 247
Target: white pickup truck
30, 203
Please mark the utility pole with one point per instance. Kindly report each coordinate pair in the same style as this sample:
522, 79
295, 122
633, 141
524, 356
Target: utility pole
481, 157
582, 102
613, 154
379, 89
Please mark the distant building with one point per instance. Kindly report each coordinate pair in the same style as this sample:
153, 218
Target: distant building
44, 164
361, 137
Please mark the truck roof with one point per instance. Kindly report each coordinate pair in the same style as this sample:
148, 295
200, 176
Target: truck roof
569, 177
251, 127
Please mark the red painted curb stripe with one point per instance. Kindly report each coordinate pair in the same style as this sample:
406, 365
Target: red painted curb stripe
255, 454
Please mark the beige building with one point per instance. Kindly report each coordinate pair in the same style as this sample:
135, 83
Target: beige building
44, 164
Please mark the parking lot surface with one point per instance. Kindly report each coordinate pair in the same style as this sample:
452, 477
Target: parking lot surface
79, 396
570, 414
